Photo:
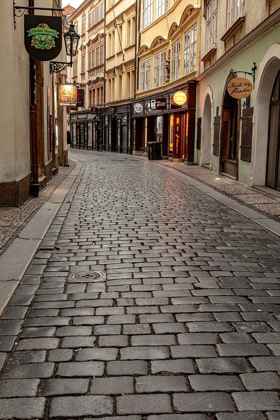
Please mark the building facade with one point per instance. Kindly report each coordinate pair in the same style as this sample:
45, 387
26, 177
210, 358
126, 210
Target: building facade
33, 128
120, 29
167, 62
88, 73
239, 137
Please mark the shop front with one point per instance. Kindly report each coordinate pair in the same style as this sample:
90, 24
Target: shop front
117, 129
85, 129
169, 119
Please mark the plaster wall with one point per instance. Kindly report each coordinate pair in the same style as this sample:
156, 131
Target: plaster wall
216, 82
14, 87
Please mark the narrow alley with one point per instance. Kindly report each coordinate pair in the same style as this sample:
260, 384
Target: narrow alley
147, 300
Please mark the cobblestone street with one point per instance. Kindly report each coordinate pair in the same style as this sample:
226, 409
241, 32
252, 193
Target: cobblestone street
157, 302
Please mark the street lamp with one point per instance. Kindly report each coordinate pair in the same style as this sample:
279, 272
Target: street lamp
71, 39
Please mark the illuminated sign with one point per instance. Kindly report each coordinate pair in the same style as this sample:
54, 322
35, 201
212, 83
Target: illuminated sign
240, 87
180, 98
68, 94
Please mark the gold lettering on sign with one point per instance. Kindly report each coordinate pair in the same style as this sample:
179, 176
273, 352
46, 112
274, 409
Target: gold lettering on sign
240, 87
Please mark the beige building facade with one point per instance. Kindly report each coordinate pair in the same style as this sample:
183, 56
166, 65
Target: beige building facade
88, 73
168, 61
120, 29
236, 136
33, 129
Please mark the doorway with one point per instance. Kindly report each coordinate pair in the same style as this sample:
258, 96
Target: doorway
206, 134
229, 136
273, 155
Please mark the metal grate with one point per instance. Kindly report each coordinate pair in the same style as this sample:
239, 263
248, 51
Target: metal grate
86, 277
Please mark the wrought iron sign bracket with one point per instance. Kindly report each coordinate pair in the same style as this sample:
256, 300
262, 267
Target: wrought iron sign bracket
58, 66
252, 73
20, 10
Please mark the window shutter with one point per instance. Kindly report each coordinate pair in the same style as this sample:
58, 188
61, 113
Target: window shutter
246, 138
198, 141
216, 135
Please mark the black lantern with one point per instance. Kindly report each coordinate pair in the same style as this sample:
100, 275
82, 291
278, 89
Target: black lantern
71, 39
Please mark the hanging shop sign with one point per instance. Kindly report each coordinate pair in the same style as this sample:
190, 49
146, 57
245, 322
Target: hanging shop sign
138, 108
68, 94
43, 36
180, 98
81, 97
240, 87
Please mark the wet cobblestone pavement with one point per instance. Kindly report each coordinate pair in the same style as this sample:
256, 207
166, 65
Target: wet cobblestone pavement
262, 200
156, 303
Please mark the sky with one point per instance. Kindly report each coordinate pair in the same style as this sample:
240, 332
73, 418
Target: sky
73, 3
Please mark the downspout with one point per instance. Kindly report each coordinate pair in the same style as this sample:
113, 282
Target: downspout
34, 186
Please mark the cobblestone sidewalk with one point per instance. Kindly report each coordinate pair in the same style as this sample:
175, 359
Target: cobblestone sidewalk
13, 219
256, 199
182, 323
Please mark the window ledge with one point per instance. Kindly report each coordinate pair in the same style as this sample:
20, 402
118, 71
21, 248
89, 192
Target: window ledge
129, 46
209, 54
234, 28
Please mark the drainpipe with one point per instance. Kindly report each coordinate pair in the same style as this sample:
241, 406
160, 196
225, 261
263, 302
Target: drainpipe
34, 186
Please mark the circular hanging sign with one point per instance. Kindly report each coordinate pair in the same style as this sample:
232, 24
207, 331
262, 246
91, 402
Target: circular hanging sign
138, 108
180, 98
240, 87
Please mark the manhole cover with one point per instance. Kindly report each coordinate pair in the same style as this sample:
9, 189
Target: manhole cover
86, 277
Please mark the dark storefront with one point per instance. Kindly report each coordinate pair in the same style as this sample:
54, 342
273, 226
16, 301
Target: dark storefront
86, 131
158, 118
117, 129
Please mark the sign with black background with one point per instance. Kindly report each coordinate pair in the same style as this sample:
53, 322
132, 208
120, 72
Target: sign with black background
81, 97
43, 36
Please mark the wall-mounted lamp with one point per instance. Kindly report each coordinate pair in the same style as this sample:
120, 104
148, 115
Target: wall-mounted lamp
71, 40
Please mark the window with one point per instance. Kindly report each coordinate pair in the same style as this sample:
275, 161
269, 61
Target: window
93, 17
159, 69
101, 95
175, 68
76, 28
128, 35
234, 11
193, 48
98, 14
97, 56
147, 12
89, 60
102, 11
89, 20
145, 75
101, 54
190, 38
83, 63
211, 25
92, 59
161, 7
186, 53
83, 25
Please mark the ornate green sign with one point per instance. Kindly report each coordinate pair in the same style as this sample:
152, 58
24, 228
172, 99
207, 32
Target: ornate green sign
43, 36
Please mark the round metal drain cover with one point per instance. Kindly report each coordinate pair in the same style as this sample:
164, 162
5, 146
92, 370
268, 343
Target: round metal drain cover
86, 277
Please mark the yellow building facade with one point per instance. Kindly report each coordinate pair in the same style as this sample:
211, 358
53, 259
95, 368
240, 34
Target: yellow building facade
120, 30
167, 62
